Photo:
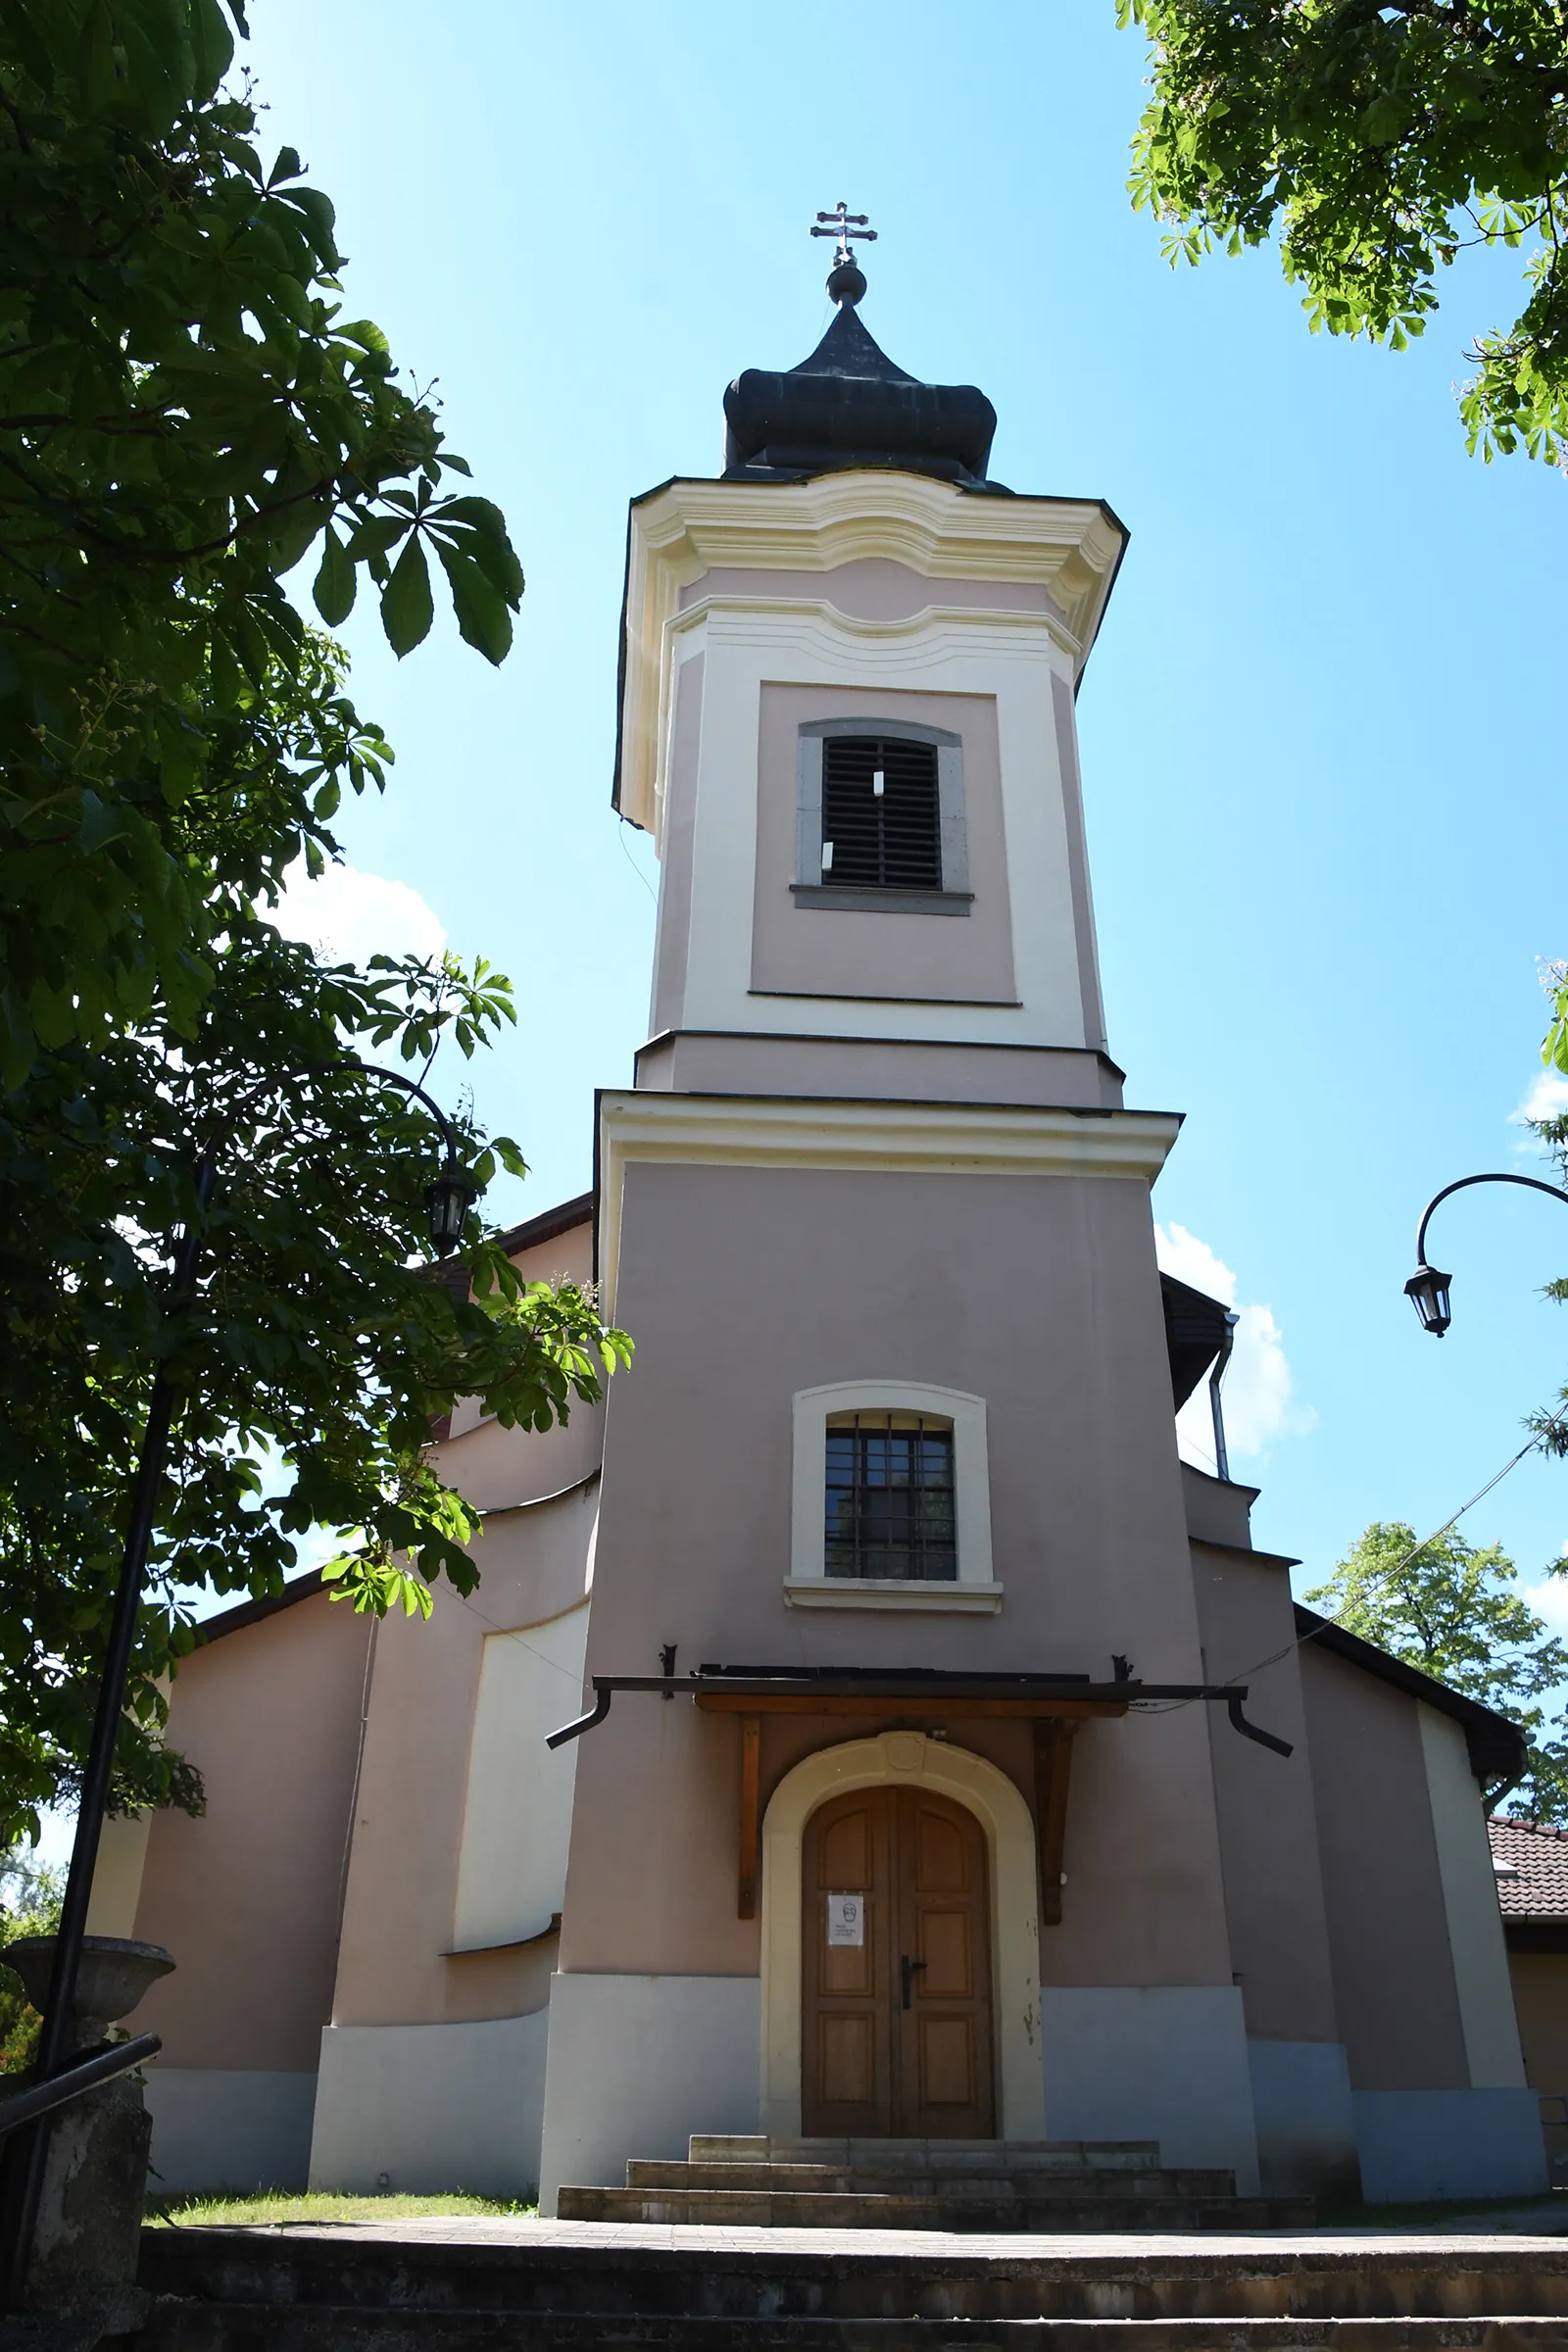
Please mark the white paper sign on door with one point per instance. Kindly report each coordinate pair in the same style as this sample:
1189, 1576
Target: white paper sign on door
846, 1919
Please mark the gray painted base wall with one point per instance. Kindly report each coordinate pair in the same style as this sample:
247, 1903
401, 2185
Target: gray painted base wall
1417, 2144
1305, 2120
218, 2127
1165, 2062
637, 2064
428, 2108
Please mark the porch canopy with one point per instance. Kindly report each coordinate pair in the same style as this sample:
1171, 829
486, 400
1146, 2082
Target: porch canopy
1054, 1703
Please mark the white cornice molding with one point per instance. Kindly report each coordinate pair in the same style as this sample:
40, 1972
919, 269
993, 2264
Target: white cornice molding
1068, 545
820, 612
953, 1139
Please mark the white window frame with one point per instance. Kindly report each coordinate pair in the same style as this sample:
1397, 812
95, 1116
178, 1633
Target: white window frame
809, 1586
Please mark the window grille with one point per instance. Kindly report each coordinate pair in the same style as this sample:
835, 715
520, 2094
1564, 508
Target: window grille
881, 814
889, 1497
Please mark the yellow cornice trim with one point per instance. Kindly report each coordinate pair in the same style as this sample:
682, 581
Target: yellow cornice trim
871, 1138
1069, 547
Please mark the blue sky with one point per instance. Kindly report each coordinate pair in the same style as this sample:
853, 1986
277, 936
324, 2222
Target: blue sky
1322, 744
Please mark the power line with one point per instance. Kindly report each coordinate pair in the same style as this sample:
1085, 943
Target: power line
1553, 1423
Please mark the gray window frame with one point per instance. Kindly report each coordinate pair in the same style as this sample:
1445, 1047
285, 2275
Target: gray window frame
811, 889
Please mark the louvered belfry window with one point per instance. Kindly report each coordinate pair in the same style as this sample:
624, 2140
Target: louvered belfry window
881, 814
889, 1497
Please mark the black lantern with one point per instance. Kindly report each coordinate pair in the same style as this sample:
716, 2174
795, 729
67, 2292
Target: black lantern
1427, 1293
447, 1202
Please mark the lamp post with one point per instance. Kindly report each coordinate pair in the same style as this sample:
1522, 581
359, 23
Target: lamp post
1427, 1290
448, 1199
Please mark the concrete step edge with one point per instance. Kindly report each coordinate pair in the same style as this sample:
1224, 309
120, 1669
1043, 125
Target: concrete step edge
188, 2326
769, 2208
1006, 2154
648, 2172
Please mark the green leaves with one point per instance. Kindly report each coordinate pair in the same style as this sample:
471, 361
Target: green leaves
317, 1346
470, 538
407, 610
183, 416
334, 582
187, 416
481, 610
1374, 144
1555, 1047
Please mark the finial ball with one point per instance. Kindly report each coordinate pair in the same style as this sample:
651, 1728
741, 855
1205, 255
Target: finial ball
846, 284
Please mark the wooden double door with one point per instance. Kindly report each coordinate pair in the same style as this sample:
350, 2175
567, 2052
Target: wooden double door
896, 2015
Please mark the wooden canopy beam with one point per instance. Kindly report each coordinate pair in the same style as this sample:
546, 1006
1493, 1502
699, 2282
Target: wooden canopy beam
1053, 1769
751, 1782
930, 1705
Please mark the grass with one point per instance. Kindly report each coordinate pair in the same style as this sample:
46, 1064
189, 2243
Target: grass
276, 2209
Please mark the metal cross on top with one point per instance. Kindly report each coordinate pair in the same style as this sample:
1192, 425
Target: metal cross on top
844, 225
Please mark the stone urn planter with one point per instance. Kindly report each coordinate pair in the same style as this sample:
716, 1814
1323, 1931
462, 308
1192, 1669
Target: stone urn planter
82, 2283
114, 1976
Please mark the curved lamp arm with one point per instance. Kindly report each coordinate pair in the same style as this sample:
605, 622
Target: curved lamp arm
367, 1069
450, 1193
1427, 1289
448, 1196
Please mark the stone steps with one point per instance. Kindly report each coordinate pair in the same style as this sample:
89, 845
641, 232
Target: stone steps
1017, 2209
540, 2287
965, 2185
994, 2182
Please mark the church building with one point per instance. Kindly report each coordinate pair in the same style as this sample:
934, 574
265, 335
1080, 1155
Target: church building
865, 1726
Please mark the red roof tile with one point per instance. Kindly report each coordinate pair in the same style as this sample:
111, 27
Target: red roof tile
1530, 1860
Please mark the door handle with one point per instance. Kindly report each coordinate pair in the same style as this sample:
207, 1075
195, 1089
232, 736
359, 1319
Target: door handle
908, 1971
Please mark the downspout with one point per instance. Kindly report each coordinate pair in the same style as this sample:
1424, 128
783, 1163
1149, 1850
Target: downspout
1222, 1466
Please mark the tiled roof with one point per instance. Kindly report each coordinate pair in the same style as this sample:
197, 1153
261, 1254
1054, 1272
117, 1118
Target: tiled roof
1531, 1861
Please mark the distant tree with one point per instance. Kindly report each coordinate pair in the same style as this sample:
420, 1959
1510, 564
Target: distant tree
1551, 1428
1376, 139
1450, 1612
31, 1896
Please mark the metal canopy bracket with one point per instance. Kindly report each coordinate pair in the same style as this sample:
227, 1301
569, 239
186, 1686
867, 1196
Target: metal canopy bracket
861, 1691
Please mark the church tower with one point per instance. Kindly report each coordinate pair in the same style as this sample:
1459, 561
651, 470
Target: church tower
901, 1412
946, 1766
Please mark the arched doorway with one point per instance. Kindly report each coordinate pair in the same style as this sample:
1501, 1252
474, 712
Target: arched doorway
895, 1980
899, 1760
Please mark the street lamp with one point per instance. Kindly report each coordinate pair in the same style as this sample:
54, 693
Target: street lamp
448, 1199
1427, 1290
1427, 1293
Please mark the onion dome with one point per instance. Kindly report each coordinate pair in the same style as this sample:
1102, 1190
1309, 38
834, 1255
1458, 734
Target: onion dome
848, 404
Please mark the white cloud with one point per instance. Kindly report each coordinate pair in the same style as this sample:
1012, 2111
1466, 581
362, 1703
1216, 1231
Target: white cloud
1550, 1599
1256, 1391
1546, 1097
348, 916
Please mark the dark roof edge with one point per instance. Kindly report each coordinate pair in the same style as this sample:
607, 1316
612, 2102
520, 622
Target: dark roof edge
1497, 1746
1233, 1486
548, 1225
620, 670
1243, 1551
251, 1612
1036, 497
